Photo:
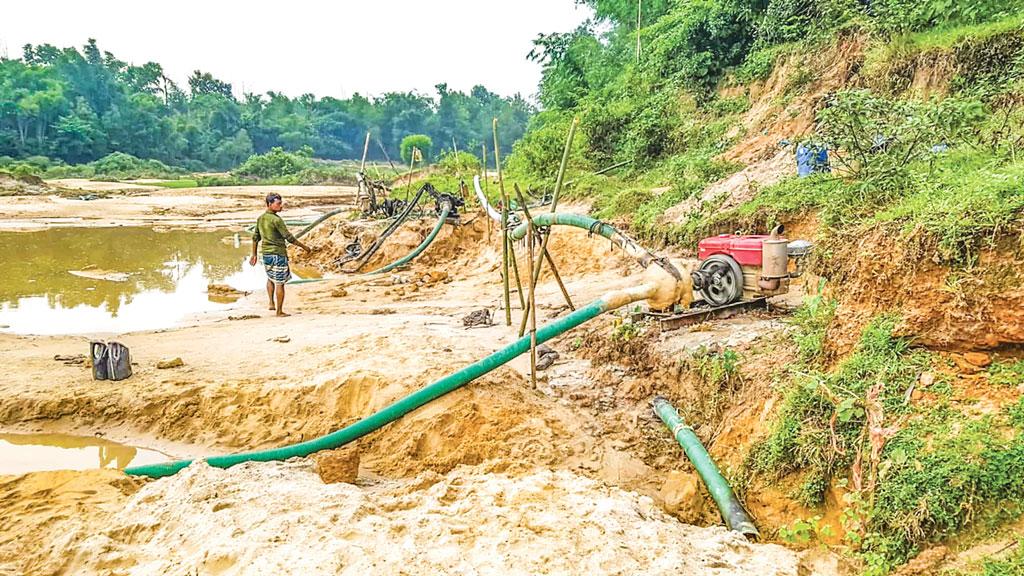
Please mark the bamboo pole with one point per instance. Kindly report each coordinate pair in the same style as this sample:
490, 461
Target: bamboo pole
533, 307
554, 205
366, 148
504, 226
546, 254
412, 162
515, 270
483, 176
639, 9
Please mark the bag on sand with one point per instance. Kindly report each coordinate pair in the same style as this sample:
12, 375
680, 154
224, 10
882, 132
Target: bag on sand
110, 361
98, 358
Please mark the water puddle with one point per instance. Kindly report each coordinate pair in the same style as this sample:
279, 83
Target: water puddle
24, 453
101, 280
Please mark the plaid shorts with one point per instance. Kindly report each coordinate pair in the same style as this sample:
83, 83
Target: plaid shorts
277, 268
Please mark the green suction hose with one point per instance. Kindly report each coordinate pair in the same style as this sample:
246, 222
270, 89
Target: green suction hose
446, 208
389, 414
736, 518
641, 254
316, 222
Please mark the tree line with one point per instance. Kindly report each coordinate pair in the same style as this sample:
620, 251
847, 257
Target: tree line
80, 105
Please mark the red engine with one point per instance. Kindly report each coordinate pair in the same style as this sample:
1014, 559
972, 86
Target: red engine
734, 267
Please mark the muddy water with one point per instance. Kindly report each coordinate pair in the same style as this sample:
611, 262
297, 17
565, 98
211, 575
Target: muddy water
23, 453
102, 280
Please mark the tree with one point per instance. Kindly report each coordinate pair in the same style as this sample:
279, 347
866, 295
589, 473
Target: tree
420, 141
204, 83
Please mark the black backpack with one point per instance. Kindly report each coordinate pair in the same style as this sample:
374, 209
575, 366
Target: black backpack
110, 361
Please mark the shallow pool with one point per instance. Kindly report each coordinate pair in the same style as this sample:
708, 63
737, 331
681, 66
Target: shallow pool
23, 453
115, 280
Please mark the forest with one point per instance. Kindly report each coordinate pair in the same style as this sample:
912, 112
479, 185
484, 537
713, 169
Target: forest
65, 105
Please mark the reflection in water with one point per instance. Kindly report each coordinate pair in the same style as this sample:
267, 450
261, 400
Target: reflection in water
23, 453
167, 276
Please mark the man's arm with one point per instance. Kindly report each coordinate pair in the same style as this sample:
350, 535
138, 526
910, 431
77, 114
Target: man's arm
283, 228
255, 244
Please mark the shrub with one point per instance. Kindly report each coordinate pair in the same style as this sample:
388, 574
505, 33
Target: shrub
274, 164
459, 164
420, 141
877, 138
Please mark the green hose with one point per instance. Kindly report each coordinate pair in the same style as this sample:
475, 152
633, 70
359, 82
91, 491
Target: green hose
314, 223
594, 226
413, 401
736, 518
445, 209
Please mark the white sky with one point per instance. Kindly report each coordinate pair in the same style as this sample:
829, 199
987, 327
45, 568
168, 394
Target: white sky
298, 46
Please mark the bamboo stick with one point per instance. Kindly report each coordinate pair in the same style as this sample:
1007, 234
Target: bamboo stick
554, 205
504, 226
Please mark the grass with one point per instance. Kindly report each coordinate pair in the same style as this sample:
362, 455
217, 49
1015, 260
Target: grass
1006, 373
939, 471
179, 183
965, 202
1013, 565
948, 36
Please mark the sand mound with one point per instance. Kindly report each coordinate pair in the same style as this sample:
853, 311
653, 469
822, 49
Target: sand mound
465, 250
462, 523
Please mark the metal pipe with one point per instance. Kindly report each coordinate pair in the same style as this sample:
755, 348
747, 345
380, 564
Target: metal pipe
735, 516
377, 420
366, 148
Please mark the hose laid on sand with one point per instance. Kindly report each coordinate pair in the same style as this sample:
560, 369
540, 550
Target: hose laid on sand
491, 210
610, 301
630, 246
365, 256
736, 518
446, 209
317, 222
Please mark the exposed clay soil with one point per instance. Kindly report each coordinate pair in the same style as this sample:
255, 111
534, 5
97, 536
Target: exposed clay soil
946, 308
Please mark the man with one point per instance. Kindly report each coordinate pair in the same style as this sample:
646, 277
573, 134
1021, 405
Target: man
271, 229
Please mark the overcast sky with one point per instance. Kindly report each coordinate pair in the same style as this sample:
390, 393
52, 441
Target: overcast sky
298, 46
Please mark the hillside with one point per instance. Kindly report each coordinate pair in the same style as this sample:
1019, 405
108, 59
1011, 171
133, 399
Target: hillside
890, 427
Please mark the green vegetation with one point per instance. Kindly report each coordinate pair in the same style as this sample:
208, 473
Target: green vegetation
278, 167
1013, 565
459, 164
113, 166
179, 183
421, 142
1006, 373
919, 473
79, 106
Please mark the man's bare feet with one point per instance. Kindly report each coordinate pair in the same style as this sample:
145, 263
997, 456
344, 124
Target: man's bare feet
272, 307
283, 314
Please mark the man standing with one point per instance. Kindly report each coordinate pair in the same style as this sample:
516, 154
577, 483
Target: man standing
271, 229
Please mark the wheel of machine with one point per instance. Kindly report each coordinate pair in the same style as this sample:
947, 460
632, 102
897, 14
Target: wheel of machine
726, 282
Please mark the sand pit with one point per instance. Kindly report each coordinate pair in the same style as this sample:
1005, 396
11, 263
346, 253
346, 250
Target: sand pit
496, 477
279, 518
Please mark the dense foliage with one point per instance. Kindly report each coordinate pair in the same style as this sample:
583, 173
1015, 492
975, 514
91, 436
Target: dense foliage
79, 106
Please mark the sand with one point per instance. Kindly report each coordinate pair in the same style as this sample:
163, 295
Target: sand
133, 205
495, 477
279, 518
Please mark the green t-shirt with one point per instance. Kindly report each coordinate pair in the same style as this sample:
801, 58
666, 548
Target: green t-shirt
272, 230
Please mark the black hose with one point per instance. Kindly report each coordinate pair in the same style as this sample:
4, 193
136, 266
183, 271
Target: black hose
365, 256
